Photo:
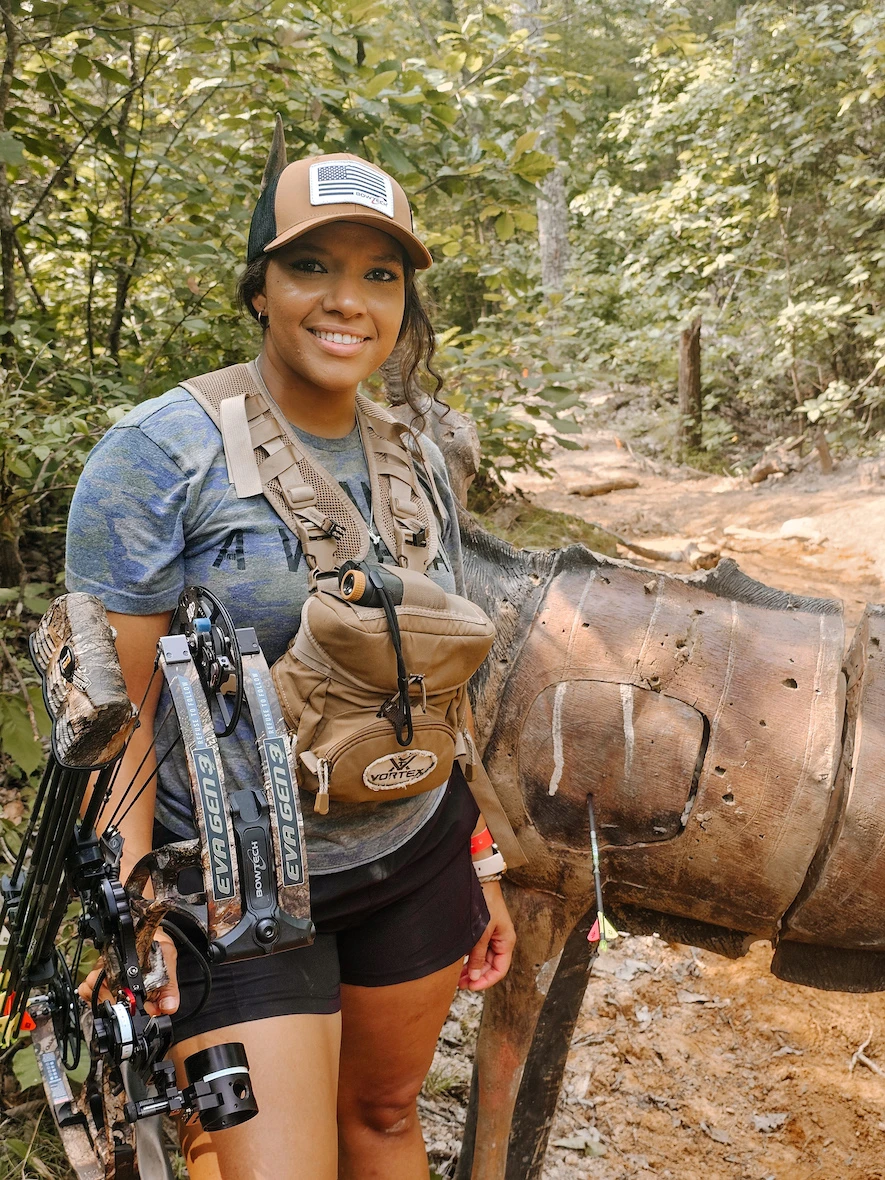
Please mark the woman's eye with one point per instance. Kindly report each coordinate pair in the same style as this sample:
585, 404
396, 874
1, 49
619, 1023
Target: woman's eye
382, 274
311, 266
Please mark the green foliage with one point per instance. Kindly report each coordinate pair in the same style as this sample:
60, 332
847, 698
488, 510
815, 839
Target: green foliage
25, 1068
526, 526
17, 739
517, 399
133, 145
721, 159
743, 182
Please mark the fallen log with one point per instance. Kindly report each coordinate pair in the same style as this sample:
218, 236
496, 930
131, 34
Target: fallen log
603, 488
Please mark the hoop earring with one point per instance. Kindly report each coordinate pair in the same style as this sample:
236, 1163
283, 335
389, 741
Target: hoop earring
263, 319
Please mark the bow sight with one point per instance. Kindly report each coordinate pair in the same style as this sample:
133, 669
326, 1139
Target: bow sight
255, 897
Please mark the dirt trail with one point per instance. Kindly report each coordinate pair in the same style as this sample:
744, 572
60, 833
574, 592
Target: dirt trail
684, 1064
835, 542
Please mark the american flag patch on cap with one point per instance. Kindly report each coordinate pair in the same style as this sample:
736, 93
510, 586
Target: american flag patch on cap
349, 182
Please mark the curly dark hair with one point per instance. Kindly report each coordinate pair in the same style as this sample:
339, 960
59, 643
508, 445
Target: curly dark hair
411, 364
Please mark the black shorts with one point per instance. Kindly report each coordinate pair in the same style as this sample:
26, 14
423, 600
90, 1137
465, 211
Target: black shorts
402, 917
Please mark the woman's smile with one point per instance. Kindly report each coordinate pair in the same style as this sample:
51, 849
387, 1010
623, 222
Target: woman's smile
339, 342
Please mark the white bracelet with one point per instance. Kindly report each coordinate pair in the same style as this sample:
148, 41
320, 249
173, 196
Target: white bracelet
490, 866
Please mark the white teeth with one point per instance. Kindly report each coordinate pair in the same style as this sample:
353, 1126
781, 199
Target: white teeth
337, 337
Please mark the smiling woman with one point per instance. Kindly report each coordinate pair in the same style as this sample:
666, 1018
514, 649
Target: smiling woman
333, 304
339, 1035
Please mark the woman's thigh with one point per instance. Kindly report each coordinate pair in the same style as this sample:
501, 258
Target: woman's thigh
293, 1061
389, 1035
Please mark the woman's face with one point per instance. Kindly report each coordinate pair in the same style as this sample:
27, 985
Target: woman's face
334, 299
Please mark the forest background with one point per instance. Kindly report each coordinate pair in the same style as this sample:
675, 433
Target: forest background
591, 176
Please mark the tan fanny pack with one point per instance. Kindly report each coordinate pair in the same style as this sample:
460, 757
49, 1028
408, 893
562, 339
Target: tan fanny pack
374, 684
369, 725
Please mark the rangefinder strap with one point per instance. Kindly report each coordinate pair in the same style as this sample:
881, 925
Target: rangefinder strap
264, 454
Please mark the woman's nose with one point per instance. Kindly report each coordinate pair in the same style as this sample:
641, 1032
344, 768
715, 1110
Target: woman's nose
344, 295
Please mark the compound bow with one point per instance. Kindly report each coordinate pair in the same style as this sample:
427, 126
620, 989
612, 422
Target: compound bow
249, 850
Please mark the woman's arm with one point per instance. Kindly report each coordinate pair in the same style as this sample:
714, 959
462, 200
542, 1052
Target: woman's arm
490, 959
137, 638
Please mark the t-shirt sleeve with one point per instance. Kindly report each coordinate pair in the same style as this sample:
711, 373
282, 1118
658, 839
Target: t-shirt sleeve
125, 540
451, 533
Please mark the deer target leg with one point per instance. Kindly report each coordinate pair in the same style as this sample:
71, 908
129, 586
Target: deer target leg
509, 1024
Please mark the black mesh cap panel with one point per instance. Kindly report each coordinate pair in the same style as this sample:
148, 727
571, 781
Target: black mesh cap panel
263, 227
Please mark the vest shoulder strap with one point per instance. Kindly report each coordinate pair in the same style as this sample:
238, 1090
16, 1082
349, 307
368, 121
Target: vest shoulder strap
265, 456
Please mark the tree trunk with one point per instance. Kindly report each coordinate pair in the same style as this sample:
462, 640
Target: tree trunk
690, 409
552, 209
7, 227
124, 267
551, 205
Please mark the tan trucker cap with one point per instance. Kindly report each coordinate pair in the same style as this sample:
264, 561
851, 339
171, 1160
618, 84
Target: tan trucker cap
322, 189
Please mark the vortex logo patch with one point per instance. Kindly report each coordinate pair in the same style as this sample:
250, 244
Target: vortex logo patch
399, 770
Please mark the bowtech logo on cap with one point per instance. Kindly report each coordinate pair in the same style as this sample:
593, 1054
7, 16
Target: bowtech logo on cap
296, 198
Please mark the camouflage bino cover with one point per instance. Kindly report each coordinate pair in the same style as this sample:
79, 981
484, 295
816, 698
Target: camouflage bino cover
338, 678
340, 673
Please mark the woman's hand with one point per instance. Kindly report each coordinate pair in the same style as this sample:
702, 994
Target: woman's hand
489, 960
164, 1001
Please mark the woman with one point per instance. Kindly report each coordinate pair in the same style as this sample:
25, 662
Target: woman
339, 1035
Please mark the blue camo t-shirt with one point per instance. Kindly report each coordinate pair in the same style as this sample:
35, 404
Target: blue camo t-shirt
154, 512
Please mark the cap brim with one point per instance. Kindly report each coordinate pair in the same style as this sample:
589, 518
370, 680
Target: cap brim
418, 253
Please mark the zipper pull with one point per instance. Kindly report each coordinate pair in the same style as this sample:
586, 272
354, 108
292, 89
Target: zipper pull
321, 802
419, 680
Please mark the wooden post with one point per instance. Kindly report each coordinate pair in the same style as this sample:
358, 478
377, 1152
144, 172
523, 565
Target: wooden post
690, 410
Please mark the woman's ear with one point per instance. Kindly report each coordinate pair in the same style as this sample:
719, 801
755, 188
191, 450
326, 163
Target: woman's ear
259, 303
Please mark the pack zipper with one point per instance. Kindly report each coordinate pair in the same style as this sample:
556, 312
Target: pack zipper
323, 771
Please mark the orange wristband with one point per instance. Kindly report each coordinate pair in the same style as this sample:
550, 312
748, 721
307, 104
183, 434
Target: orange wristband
481, 842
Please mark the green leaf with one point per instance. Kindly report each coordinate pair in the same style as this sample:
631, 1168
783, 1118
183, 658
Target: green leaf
10, 149
109, 73
379, 82
568, 444
360, 8
523, 144
409, 100
533, 165
445, 114
18, 1147
81, 66
504, 227
27, 1074
44, 723
19, 467
34, 597
395, 156
16, 736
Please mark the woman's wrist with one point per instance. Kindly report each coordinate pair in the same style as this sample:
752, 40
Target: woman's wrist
488, 863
